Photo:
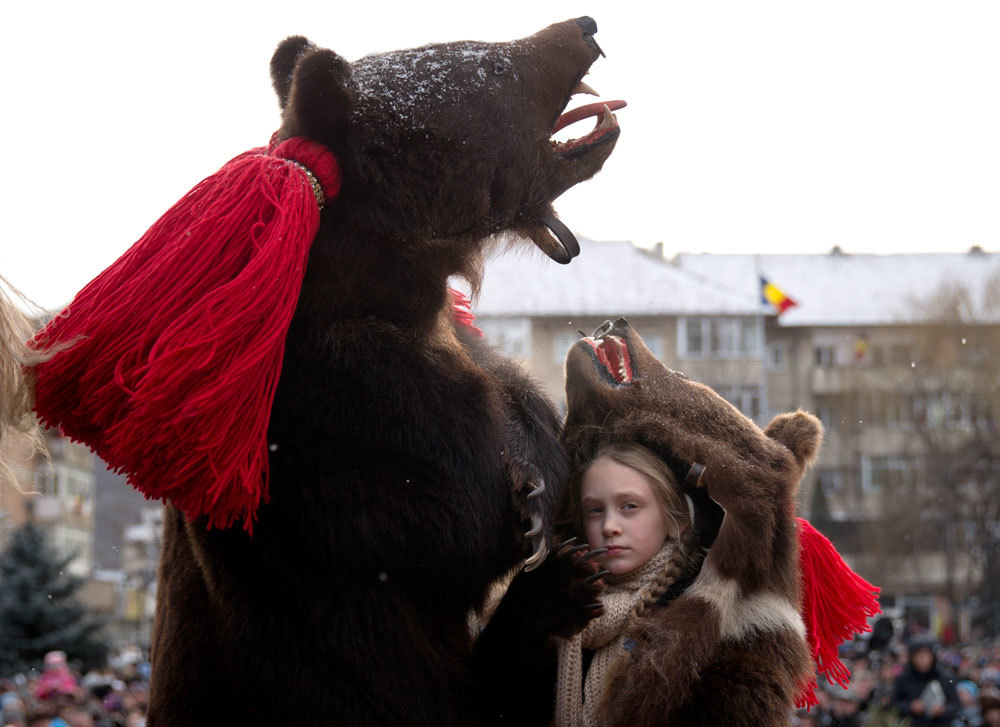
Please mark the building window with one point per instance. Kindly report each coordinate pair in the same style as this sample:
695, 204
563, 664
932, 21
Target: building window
77, 485
560, 346
725, 338
775, 358
887, 474
901, 354
948, 410
513, 335
872, 408
654, 342
899, 410
824, 356
982, 415
874, 474
744, 398
45, 480
733, 337
692, 344
831, 481
826, 412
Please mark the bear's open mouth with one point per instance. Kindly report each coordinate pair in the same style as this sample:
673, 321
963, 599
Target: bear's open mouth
611, 352
607, 124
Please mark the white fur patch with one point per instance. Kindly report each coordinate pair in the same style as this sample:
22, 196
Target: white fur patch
739, 616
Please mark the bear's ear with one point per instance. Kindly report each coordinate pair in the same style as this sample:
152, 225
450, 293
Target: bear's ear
318, 103
801, 432
286, 55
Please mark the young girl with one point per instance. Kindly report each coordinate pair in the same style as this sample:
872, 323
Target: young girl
628, 503
548, 647
675, 638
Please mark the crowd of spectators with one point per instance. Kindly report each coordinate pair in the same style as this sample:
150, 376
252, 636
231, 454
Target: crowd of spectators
916, 683
59, 696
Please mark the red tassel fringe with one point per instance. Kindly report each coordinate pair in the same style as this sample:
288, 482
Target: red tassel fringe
462, 307
836, 604
177, 347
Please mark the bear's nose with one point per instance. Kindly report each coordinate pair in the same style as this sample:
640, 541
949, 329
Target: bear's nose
603, 329
618, 328
587, 24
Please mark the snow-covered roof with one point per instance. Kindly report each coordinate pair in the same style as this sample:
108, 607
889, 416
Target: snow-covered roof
847, 289
607, 277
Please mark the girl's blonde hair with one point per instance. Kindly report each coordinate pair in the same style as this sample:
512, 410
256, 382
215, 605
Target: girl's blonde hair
18, 426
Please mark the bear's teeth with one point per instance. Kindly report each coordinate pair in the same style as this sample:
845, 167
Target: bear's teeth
582, 87
586, 111
608, 120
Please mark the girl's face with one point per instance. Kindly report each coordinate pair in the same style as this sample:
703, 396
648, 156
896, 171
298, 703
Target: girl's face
621, 513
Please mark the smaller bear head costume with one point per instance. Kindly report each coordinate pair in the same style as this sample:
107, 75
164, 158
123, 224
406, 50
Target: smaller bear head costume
743, 481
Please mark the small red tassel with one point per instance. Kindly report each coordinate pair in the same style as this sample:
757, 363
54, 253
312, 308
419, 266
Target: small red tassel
462, 307
836, 603
177, 346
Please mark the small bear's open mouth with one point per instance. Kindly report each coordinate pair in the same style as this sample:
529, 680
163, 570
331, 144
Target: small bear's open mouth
607, 124
611, 353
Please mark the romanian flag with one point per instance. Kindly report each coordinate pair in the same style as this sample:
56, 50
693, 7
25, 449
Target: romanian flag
770, 294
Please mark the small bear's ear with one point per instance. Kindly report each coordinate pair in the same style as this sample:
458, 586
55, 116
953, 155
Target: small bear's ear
286, 55
801, 432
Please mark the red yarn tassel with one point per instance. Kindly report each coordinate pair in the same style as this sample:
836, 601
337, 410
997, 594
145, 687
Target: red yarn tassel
177, 347
836, 604
462, 308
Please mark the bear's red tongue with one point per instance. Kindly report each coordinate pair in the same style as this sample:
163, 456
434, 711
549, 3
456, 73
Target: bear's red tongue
583, 112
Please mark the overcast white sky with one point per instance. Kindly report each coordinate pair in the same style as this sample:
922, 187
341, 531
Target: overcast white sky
763, 126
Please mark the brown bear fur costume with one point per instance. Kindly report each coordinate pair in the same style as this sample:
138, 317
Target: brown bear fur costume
403, 454
407, 462
730, 647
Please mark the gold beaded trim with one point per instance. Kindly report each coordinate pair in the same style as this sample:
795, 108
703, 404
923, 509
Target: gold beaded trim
317, 188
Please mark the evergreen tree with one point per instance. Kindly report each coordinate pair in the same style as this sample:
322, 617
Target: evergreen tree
39, 611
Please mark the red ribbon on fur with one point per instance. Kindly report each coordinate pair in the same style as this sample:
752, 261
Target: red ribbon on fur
173, 353
836, 604
462, 308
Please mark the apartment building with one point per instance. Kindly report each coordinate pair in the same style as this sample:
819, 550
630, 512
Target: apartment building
898, 355
535, 309
59, 495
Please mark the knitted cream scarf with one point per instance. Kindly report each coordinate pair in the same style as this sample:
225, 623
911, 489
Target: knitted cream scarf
576, 706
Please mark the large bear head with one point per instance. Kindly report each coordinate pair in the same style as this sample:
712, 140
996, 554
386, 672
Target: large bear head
451, 143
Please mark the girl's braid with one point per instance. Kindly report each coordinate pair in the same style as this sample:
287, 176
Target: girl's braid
675, 568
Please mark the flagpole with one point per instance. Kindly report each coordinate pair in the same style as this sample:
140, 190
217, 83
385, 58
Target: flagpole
762, 415
764, 406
